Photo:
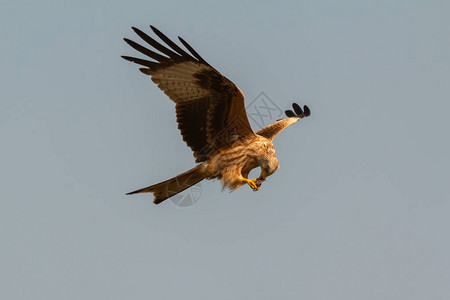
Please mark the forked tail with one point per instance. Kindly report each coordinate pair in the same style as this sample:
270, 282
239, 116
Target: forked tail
166, 189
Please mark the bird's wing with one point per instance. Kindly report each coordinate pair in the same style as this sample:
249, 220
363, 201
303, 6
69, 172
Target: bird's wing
271, 131
210, 108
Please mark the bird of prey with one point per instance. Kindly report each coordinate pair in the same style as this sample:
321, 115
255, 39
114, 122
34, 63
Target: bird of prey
211, 117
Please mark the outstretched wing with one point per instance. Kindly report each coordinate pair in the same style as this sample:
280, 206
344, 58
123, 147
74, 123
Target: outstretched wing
210, 108
271, 131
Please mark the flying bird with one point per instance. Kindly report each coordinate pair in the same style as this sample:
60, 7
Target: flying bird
211, 117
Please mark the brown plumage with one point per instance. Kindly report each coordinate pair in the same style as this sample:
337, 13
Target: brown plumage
211, 117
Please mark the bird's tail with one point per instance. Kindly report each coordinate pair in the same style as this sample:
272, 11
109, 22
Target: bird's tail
166, 189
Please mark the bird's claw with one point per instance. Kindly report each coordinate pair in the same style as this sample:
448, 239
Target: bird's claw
254, 183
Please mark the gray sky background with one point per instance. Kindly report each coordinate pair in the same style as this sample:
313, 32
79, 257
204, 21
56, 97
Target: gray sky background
358, 210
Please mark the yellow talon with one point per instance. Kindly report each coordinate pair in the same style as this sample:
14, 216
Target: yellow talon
253, 183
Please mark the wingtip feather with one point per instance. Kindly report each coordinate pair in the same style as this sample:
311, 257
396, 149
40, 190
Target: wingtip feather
306, 110
290, 114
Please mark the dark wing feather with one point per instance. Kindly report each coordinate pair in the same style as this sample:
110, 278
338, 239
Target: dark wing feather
290, 113
155, 44
145, 51
171, 44
307, 111
298, 110
210, 108
192, 124
196, 55
140, 61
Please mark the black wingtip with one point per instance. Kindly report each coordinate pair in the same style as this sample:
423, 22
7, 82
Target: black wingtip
139, 61
193, 52
136, 30
156, 31
298, 112
307, 111
127, 58
133, 192
289, 113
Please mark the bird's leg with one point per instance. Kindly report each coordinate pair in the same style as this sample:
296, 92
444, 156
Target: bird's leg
253, 183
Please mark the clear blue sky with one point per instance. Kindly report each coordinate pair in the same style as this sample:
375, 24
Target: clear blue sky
358, 210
